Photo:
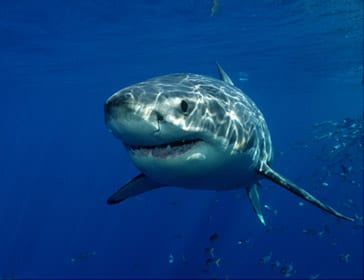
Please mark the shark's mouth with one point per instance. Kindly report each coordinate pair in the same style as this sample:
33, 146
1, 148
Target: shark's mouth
171, 149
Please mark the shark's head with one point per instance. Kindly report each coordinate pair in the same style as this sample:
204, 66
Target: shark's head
180, 128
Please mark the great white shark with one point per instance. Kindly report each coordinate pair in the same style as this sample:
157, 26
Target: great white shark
197, 132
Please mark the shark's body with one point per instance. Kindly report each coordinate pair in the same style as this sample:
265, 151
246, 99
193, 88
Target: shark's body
197, 132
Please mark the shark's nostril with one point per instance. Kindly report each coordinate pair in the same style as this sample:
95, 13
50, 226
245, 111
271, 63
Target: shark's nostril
159, 116
117, 100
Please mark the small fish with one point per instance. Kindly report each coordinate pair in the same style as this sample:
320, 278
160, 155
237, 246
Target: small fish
171, 258
275, 211
210, 251
215, 7
344, 258
346, 169
266, 259
314, 276
276, 264
213, 237
359, 218
243, 241
287, 270
209, 261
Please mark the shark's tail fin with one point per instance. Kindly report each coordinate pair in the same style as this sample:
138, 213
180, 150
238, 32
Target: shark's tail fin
292, 187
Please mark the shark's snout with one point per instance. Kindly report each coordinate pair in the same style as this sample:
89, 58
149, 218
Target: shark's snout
118, 111
108, 106
130, 121
116, 103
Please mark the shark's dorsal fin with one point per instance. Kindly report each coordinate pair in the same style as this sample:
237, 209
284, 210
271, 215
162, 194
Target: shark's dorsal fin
293, 188
255, 201
139, 184
223, 76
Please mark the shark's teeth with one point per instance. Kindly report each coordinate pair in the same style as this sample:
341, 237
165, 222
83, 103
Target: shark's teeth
164, 150
163, 146
169, 149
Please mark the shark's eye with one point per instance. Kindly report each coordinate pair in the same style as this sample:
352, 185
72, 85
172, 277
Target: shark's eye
184, 106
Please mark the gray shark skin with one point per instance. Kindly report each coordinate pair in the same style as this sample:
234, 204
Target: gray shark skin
197, 132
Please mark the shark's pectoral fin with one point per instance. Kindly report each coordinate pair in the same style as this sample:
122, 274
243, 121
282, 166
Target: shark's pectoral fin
292, 187
135, 186
255, 201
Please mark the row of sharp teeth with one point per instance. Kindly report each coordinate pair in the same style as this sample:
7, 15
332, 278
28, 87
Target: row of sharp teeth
168, 147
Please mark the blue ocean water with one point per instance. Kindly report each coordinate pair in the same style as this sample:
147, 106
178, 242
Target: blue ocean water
300, 61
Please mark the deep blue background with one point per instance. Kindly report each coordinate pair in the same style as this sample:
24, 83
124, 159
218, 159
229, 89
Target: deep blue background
59, 61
